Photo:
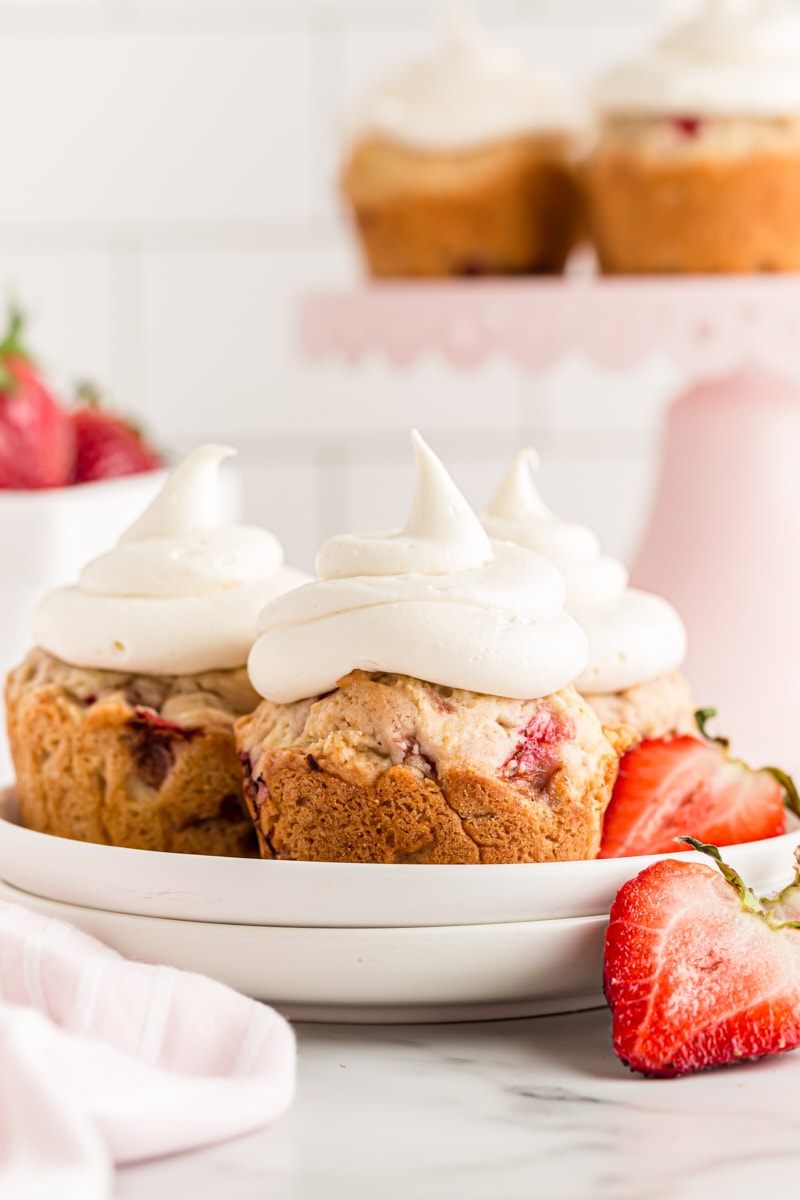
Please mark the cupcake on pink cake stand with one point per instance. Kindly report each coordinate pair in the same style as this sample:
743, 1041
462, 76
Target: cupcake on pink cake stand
697, 162
464, 164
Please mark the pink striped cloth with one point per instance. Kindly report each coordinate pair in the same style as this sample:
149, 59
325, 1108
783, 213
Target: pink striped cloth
106, 1061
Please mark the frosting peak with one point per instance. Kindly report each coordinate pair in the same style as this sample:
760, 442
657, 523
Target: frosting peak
734, 58
633, 636
176, 547
437, 600
188, 500
179, 594
441, 534
517, 493
518, 514
469, 91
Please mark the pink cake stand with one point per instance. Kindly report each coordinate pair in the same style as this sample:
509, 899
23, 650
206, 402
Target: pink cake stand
723, 538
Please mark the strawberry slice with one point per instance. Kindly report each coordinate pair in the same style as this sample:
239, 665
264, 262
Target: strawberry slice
697, 972
107, 447
667, 787
37, 441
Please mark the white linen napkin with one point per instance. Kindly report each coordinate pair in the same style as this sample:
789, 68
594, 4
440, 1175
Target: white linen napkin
106, 1061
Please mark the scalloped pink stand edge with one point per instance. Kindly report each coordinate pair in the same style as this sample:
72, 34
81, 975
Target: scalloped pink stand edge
723, 538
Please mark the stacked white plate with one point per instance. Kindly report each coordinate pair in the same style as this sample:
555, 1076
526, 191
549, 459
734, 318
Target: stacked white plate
351, 942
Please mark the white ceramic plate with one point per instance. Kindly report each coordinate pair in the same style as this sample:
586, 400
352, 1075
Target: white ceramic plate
333, 895
458, 973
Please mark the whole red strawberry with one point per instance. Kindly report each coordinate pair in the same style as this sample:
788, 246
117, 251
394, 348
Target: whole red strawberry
667, 787
698, 973
107, 447
37, 440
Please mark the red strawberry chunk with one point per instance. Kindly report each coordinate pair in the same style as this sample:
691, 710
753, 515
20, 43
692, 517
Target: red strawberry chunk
536, 755
695, 974
149, 716
688, 127
671, 787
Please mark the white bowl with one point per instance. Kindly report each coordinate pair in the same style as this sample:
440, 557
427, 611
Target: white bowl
335, 895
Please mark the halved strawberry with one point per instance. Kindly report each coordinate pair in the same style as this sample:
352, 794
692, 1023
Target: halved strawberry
107, 447
668, 787
37, 441
697, 974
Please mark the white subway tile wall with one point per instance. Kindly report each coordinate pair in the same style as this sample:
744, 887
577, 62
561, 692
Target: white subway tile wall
169, 193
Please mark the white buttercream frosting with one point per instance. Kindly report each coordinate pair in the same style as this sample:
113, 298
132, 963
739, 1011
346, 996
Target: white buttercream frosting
633, 636
179, 594
468, 92
437, 600
735, 58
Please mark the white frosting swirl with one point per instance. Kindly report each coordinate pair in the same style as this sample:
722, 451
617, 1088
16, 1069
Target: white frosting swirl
736, 58
469, 92
178, 594
437, 601
633, 636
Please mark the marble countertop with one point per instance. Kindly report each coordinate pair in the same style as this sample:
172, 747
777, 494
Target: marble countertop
499, 1110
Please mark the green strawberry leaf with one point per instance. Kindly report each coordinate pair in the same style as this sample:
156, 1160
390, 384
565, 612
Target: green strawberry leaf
751, 903
791, 799
12, 342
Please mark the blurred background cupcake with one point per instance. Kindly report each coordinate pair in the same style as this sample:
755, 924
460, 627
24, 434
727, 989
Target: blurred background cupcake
462, 164
697, 164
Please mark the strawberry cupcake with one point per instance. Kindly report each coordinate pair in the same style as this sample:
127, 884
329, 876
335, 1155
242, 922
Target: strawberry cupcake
419, 705
637, 641
120, 720
463, 165
697, 163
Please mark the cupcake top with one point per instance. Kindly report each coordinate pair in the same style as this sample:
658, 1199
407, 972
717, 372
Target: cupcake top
633, 636
735, 58
436, 600
179, 594
468, 92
